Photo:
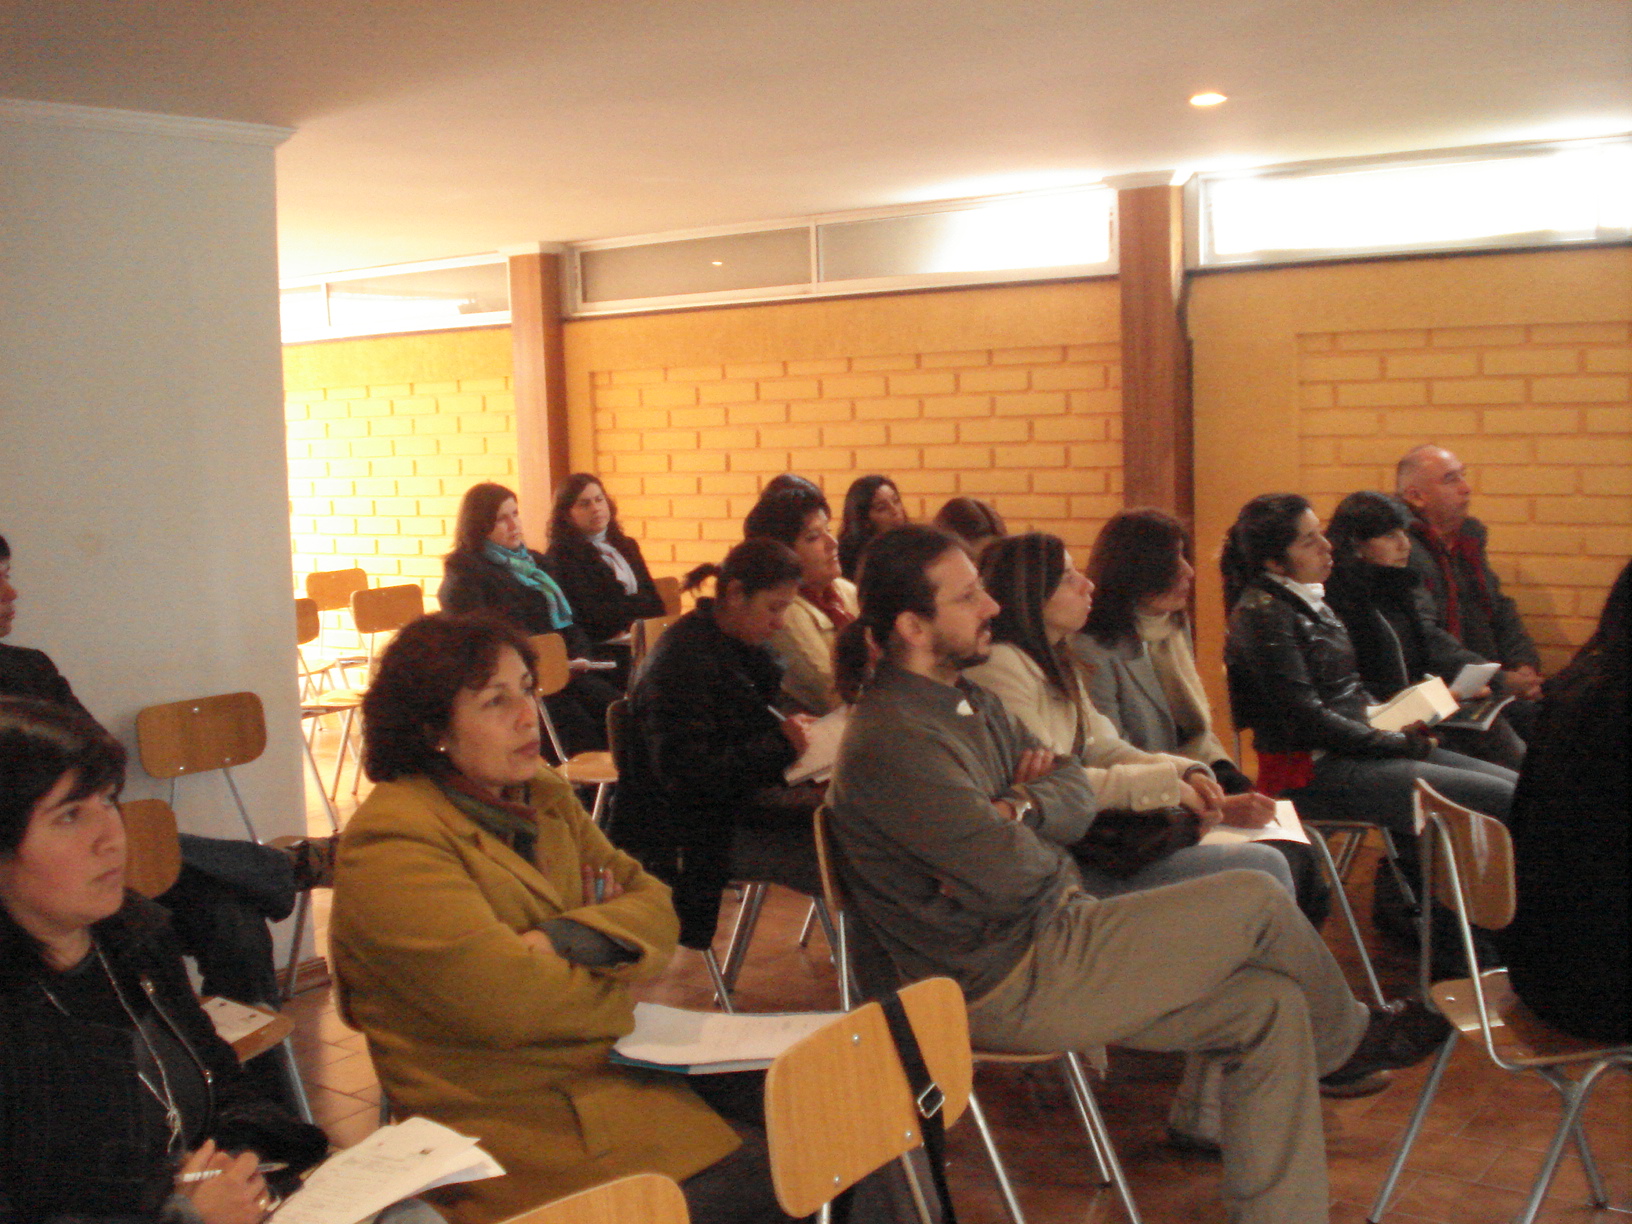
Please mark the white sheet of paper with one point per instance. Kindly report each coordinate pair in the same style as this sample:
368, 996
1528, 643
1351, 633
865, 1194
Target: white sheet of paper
233, 1020
394, 1163
1426, 702
674, 1036
1472, 678
822, 749
1285, 827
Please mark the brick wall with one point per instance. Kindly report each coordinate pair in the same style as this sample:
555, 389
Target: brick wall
1009, 395
1540, 414
384, 437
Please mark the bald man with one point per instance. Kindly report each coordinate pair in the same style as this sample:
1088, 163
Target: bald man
1448, 551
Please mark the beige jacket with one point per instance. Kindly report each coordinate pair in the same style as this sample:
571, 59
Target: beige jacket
805, 648
469, 1026
1122, 776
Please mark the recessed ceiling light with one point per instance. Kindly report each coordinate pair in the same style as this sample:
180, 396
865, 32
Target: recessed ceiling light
1208, 99
719, 263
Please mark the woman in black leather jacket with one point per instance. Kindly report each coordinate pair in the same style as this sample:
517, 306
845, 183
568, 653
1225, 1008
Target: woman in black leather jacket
1390, 618
701, 798
1293, 679
113, 1084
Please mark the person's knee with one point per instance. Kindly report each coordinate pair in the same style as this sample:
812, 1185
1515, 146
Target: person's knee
1267, 861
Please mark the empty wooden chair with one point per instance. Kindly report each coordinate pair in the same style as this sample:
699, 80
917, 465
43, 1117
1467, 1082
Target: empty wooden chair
668, 589
331, 591
316, 704
595, 769
201, 734
643, 1198
643, 635
1467, 865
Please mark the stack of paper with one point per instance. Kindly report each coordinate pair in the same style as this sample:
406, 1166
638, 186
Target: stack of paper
1427, 702
394, 1163
701, 1043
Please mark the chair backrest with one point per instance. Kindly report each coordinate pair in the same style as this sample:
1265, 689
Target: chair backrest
152, 847
837, 1105
332, 589
553, 674
202, 733
668, 587
644, 634
387, 609
617, 734
832, 887
643, 1198
1482, 852
308, 621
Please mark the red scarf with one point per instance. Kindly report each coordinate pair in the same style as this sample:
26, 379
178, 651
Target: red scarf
827, 599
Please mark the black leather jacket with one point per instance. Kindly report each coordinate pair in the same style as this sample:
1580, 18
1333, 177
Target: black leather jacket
1294, 681
75, 1141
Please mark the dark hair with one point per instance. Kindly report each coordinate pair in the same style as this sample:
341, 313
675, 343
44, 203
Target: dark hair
5, 549
569, 491
478, 511
791, 480
1135, 556
410, 704
857, 527
972, 521
40, 742
1363, 516
1604, 656
1263, 531
1022, 572
893, 578
755, 565
782, 515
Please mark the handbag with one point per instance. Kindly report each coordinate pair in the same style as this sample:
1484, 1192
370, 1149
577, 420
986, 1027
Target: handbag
1121, 843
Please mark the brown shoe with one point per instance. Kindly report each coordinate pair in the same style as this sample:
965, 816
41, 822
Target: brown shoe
1400, 1035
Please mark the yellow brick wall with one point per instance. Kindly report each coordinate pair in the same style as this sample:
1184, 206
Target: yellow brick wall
1009, 395
385, 434
1317, 379
1540, 414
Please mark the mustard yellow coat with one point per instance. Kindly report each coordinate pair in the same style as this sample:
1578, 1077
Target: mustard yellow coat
470, 1027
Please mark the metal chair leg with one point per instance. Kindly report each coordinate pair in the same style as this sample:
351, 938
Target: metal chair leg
721, 992
1004, 1189
303, 906
334, 817
1429, 1088
919, 1202
1080, 1102
291, 1075
1569, 1126
819, 907
736, 952
1318, 840
1073, 1065
810, 924
597, 814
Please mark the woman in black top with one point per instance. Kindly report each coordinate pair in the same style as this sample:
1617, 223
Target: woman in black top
1567, 950
492, 569
1390, 618
701, 796
871, 506
113, 1085
598, 568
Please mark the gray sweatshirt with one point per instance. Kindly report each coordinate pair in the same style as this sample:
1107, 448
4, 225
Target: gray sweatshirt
949, 886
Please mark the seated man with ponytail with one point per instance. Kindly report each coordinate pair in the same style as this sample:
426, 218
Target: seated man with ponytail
701, 798
953, 829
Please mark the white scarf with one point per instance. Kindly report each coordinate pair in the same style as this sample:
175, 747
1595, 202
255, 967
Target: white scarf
618, 563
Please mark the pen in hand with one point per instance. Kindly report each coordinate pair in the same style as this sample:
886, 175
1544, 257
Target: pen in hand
266, 1166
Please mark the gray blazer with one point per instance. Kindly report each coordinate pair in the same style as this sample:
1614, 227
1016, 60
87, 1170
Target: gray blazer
1124, 687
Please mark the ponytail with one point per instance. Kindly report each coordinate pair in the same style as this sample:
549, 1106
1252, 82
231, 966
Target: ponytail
893, 579
1263, 531
854, 653
755, 565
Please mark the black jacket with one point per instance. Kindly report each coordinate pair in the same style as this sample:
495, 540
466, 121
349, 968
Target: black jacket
600, 605
74, 1138
1490, 622
1293, 679
701, 741
30, 673
472, 583
1390, 620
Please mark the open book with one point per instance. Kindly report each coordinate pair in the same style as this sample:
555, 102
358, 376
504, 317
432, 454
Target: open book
816, 765
704, 1043
394, 1163
1434, 703
1284, 827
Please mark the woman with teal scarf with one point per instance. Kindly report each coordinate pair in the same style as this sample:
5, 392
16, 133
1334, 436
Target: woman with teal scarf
491, 569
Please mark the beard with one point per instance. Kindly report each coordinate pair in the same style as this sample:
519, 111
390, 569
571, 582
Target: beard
965, 655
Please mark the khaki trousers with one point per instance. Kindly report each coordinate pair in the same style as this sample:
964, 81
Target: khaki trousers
1224, 965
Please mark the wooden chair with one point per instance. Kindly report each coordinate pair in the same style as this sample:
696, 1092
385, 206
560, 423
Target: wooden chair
596, 769
1071, 1062
203, 734
643, 635
668, 588
377, 610
152, 865
317, 704
1467, 865
642, 1198
331, 591
837, 1103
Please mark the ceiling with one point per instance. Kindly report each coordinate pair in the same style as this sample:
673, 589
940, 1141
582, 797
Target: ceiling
434, 128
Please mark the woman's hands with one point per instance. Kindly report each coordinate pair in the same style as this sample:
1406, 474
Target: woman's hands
1191, 799
1248, 811
797, 728
235, 1194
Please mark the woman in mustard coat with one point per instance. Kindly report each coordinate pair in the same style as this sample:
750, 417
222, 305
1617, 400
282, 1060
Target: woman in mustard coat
485, 936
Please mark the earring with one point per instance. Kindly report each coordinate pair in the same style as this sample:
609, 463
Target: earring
442, 748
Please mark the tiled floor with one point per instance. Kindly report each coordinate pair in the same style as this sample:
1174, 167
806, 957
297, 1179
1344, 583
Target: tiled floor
1472, 1165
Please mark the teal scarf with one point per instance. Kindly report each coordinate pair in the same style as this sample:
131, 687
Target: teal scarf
525, 570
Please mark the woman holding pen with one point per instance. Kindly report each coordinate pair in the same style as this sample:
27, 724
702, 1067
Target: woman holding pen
117, 1099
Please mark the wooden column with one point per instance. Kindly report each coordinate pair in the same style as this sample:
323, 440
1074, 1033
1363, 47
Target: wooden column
540, 383
1157, 447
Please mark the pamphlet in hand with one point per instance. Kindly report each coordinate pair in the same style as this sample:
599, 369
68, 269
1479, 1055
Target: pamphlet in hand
1472, 679
707, 1043
394, 1163
822, 749
1432, 702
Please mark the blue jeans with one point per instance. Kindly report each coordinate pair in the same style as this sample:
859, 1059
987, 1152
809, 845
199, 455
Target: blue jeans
1188, 864
1379, 792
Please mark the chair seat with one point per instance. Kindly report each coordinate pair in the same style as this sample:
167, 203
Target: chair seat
590, 769
331, 702
1520, 1035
